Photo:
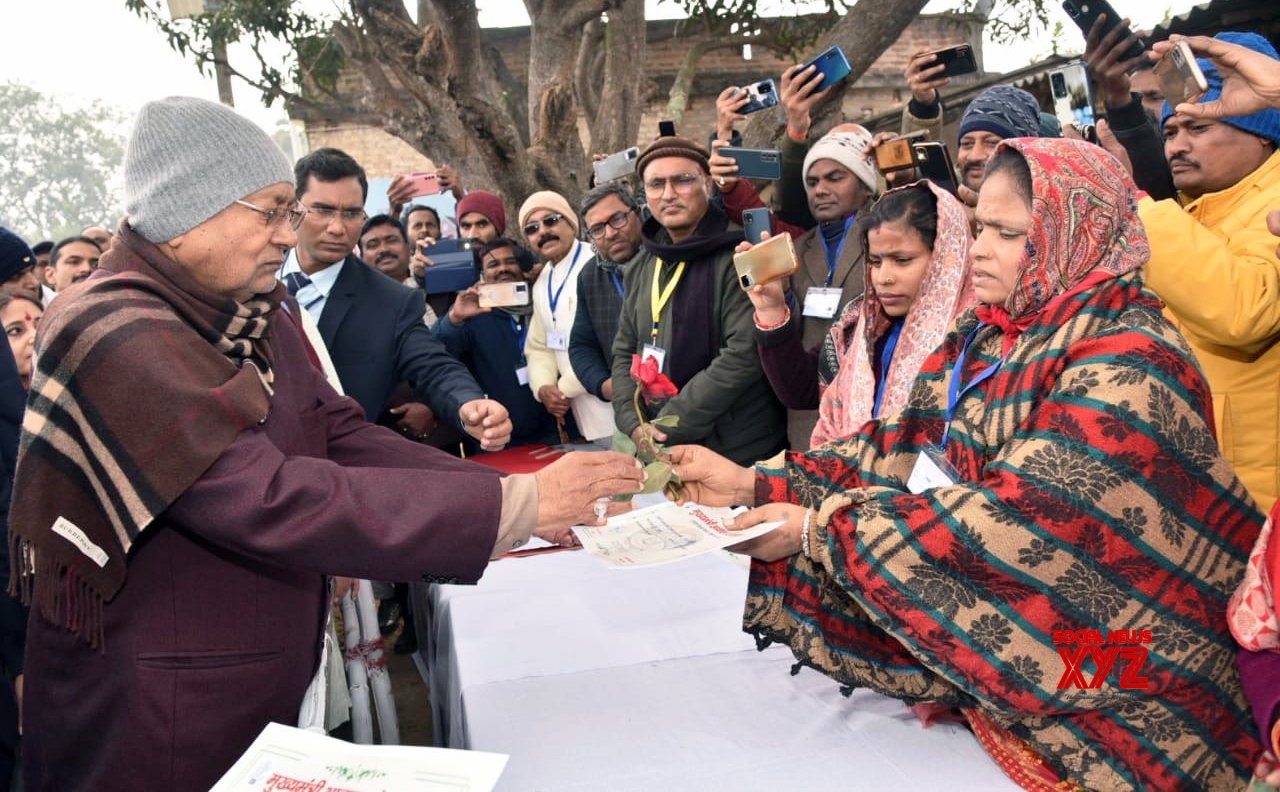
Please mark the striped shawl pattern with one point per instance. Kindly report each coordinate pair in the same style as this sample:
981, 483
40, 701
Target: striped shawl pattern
1092, 495
143, 378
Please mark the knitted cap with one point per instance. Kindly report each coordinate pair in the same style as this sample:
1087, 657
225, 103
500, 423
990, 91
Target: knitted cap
189, 159
847, 148
672, 146
1050, 126
552, 202
1003, 110
1265, 123
15, 255
485, 203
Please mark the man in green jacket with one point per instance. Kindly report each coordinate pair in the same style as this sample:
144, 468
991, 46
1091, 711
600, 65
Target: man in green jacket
684, 308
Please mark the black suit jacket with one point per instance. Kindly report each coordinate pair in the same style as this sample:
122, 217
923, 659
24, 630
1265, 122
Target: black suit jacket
374, 331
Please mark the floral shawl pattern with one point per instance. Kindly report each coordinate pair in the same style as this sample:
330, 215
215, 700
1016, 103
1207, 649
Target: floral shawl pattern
945, 292
1091, 495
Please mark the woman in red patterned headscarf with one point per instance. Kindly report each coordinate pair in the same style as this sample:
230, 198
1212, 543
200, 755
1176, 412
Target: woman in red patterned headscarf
1053, 471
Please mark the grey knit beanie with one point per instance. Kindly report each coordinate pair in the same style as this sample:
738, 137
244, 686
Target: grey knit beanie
189, 159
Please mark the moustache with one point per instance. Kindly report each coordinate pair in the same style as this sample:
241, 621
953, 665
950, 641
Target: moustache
1184, 159
545, 238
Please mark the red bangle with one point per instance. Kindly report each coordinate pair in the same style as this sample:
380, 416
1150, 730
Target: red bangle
786, 317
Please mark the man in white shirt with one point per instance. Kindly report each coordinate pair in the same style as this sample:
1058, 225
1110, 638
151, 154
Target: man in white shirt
551, 227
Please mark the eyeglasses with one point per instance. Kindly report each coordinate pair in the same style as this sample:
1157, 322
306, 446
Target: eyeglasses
682, 183
550, 221
275, 217
616, 220
327, 213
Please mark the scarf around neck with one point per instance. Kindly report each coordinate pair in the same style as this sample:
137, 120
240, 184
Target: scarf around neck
695, 341
143, 378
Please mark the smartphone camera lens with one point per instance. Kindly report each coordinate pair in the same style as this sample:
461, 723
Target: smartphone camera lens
746, 281
1059, 85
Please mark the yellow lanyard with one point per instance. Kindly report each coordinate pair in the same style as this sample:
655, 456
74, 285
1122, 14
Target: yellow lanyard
658, 298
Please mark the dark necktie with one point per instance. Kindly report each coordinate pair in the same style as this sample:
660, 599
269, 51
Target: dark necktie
294, 281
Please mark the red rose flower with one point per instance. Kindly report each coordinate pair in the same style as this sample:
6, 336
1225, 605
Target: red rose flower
653, 383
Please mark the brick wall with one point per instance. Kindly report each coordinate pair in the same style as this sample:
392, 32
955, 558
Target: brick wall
379, 153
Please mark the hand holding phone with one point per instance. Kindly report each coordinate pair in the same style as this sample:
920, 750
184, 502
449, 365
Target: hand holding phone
508, 294
833, 65
424, 184
934, 164
896, 154
1181, 78
759, 96
956, 60
768, 261
756, 225
1086, 12
755, 163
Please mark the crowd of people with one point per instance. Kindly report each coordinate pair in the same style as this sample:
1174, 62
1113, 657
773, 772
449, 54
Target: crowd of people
1040, 401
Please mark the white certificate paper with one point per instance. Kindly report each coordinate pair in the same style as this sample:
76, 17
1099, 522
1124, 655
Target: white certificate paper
287, 758
664, 533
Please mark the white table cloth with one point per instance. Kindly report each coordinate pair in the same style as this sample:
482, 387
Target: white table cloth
594, 678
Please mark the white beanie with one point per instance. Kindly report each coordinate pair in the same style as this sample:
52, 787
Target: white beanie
849, 148
189, 159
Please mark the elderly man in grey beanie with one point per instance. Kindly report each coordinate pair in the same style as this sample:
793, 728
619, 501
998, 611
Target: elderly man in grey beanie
189, 478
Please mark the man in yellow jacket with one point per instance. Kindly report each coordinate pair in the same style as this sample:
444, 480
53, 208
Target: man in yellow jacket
1214, 263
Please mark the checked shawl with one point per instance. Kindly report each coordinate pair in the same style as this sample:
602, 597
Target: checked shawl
1092, 495
143, 378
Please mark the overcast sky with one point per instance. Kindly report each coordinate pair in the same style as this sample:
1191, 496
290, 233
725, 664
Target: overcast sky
81, 50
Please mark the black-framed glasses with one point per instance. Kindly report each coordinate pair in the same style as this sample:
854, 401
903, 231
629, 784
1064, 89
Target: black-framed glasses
616, 220
292, 214
550, 221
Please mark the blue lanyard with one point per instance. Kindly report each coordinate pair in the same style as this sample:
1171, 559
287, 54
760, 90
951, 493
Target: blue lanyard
521, 334
554, 299
833, 261
886, 359
954, 392
617, 283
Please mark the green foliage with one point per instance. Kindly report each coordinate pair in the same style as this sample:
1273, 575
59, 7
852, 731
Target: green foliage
60, 164
657, 474
666, 421
314, 57
1010, 20
623, 444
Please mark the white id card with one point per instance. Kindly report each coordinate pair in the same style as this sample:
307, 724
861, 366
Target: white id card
932, 470
557, 340
656, 352
522, 375
821, 302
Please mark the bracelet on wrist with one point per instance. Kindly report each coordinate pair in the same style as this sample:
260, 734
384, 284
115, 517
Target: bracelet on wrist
804, 534
786, 317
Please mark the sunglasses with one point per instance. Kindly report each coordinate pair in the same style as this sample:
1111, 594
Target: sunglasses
550, 221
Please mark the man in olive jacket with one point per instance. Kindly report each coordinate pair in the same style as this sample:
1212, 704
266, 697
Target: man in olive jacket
684, 307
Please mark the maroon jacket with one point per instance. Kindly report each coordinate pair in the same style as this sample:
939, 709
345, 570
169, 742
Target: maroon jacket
218, 628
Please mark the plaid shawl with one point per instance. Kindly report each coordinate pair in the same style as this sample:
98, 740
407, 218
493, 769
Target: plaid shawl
140, 384
1092, 495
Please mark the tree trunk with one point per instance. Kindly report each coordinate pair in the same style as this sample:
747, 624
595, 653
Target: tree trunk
615, 124
864, 33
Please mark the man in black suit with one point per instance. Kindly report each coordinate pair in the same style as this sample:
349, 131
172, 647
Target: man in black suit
372, 325
374, 331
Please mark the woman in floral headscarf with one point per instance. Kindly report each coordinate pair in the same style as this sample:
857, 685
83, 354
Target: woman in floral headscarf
917, 242
1052, 472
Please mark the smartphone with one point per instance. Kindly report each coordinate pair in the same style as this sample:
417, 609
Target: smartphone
1180, 76
762, 94
503, 295
616, 166
895, 154
424, 184
957, 60
756, 163
666, 129
1072, 95
469, 245
833, 65
453, 267
756, 222
1085, 12
934, 163
768, 261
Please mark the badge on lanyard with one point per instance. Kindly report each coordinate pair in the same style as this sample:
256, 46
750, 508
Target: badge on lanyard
821, 303
656, 352
522, 375
932, 469
557, 340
